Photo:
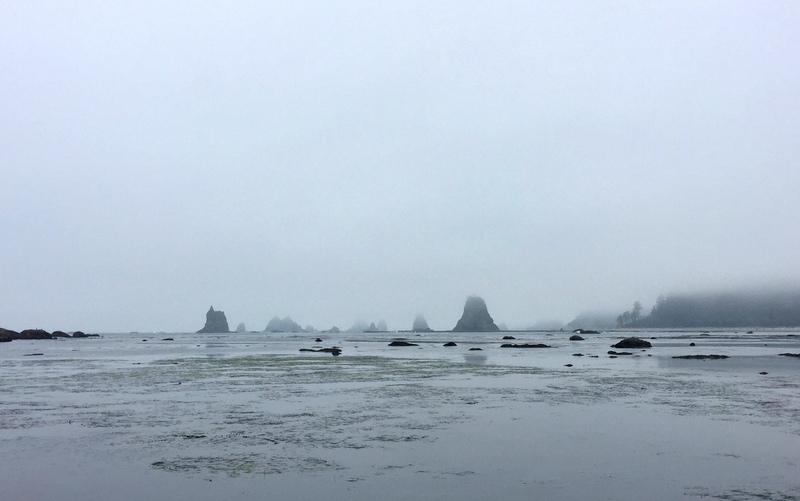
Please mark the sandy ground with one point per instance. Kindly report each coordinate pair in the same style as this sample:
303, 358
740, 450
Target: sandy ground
250, 417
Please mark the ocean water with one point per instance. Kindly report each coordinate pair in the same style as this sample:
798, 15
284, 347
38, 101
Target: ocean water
249, 416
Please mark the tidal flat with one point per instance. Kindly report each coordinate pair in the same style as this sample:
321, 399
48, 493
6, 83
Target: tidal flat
249, 416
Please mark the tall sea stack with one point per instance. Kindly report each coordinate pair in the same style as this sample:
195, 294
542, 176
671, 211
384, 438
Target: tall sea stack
476, 317
215, 322
420, 325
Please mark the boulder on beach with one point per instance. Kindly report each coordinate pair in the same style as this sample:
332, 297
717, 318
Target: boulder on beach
402, 343
215, 322
575, 337
632, 342
476, 317
450, 344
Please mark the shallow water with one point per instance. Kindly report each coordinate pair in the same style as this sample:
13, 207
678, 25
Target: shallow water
248, 416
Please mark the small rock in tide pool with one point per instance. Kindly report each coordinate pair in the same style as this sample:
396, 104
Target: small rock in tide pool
797, 355
168, 339
144, 340
33, 355
450, 344
476, 349
318, 340
763, 373
577, 354
612, 352
575, 337
567, 365
509, 337
692, 344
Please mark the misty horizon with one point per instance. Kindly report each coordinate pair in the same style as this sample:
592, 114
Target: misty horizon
337, 162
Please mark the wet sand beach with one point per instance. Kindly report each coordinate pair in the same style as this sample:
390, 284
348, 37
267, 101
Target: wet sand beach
249, 416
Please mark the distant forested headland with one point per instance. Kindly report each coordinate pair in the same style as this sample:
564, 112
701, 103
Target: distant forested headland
729, 309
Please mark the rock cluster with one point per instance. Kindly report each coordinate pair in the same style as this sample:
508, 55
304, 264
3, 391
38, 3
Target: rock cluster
215, 322
476, 317
7, 335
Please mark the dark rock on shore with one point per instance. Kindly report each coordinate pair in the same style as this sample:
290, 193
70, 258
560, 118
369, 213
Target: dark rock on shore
215, 323
450, 344
524, 345
509, 337
702, 357
59, 334
612, 352
476, 317
402, 343
575, 337
789, 355
632, 342
585, 331
334, 350
476, 349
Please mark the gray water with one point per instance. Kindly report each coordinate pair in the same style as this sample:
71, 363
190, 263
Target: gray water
248, 416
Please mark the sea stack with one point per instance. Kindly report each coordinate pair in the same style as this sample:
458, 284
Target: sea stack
476, 317
215, 322
420, 325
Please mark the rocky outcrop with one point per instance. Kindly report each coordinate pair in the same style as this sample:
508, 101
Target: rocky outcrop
35, 334
476, 317
241, 327
215, 322
7, 335
420, 325
283, 325
575, 337
632, 342
359, 326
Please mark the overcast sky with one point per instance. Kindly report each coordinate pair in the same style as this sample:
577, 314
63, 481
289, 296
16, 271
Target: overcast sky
334, 161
